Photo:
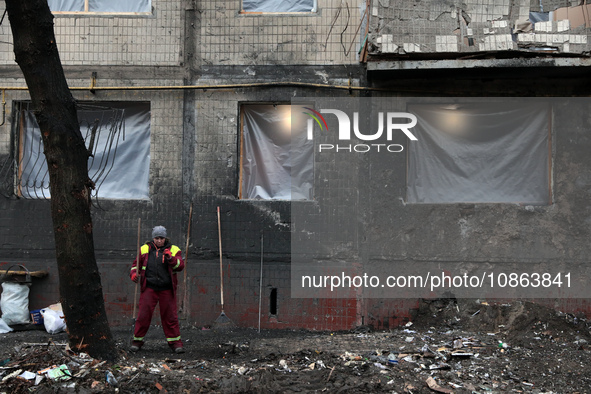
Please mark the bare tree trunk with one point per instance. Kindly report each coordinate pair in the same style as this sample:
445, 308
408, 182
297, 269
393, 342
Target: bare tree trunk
67, 159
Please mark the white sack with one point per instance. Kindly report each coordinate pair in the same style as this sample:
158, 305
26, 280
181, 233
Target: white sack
15, 303
53, 321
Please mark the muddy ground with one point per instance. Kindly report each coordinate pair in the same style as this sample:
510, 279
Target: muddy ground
460, 346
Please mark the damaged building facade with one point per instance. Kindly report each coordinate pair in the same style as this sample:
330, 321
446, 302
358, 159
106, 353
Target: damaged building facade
190, 100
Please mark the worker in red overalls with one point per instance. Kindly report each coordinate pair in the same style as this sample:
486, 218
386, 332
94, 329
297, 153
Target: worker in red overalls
159, 262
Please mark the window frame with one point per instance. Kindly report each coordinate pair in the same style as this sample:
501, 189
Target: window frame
549, 159
241, 154
39, 171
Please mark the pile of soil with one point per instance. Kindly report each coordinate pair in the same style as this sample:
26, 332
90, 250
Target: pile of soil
460, 346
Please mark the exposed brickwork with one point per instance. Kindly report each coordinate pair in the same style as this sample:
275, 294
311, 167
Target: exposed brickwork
106, 40
317, 38
449, 28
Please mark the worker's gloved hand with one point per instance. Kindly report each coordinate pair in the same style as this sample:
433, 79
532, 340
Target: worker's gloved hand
134, 276
168, 255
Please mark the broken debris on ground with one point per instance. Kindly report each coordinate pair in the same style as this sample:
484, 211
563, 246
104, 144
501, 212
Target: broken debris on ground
460, 346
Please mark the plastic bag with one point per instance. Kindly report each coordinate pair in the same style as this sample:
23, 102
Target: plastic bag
53, 321
15, 303
4, 328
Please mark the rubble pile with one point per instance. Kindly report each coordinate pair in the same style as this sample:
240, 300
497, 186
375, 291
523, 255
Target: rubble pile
524, 348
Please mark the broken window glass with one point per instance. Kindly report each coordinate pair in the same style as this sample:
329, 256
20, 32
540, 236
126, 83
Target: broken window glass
114, 6
116, 133
278, 6
275, 163
480, 153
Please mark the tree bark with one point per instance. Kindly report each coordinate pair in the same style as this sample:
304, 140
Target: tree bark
67, 160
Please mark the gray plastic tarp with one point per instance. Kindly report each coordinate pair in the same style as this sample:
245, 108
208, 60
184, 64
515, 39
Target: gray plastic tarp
278, 6
101, 5
119, 6
120, 164
488, 152
66, 5
276, 164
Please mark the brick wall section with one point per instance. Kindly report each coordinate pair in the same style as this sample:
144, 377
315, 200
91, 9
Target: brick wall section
242, 223
245, 39
241, 299
241, 289
106, 40
447, 28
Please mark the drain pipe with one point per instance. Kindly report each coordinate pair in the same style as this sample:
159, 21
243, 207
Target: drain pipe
93, 87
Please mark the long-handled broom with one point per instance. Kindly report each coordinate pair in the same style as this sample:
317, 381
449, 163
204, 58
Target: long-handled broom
186, 307
222, 321
137, 266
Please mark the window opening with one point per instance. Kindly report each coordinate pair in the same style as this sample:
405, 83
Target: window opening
117, 134
278, 6
481, 152
100, 6
276, 162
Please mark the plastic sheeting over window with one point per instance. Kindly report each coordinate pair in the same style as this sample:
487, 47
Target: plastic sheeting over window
275, 164
120, 163
488, 152
100, 5
66, 5
279, 6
